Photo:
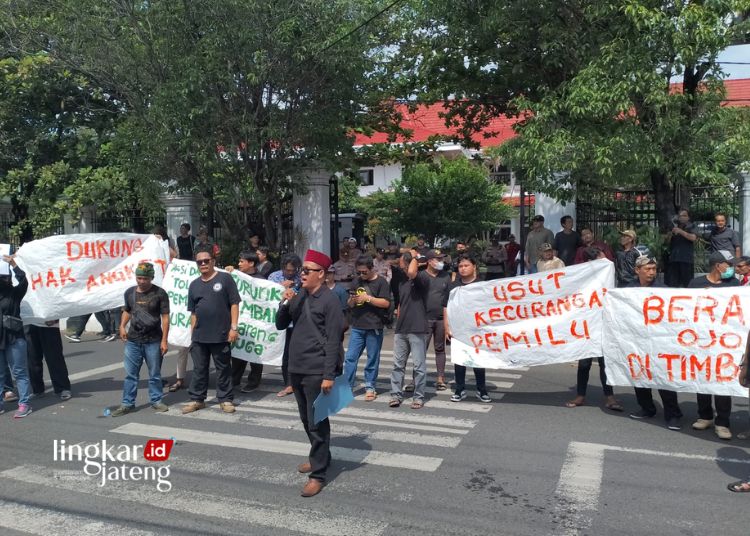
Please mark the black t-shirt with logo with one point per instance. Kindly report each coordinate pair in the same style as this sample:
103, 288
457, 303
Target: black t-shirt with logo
210, 301
367, 316
145, 309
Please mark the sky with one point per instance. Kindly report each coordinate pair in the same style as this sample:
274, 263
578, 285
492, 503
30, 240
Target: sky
739, 53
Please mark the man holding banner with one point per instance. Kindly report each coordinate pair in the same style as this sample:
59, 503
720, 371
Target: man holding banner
645, 271
721, 264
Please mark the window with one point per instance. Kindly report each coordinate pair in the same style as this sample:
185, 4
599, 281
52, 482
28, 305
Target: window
366, 177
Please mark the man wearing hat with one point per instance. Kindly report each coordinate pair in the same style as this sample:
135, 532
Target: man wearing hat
316, 356
146, 311
439, 280
537, 236
721, 274
625, 259
547, 259
646, 271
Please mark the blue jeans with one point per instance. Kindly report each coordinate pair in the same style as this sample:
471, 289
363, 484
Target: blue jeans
14, 356
372, 339
135, 353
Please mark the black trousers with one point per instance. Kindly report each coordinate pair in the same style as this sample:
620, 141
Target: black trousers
584, 371
201, 354
306, 390
679, 274
110, 321
479, 375
45, 344
668, 399
723, 409
238, 369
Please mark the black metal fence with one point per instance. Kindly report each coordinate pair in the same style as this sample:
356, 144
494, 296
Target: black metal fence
131, 221
7, 222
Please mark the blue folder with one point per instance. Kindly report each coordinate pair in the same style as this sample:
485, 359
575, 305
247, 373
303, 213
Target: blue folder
337, 399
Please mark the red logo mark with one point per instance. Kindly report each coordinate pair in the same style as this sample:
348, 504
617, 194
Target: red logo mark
157, 450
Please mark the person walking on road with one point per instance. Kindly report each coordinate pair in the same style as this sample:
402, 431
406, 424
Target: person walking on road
45, 344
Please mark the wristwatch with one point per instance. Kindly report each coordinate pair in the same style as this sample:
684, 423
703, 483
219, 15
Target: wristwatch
233, 328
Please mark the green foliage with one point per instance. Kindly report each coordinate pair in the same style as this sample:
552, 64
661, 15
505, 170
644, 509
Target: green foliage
449, 198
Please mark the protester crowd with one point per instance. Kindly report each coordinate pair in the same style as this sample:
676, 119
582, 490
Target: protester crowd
403, 287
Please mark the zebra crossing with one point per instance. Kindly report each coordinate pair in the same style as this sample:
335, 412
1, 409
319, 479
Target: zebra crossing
262, 442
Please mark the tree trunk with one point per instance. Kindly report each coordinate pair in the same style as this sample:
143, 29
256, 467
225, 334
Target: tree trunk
665, 200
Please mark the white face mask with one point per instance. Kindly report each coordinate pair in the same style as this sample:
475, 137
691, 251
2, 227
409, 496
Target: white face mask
439, 266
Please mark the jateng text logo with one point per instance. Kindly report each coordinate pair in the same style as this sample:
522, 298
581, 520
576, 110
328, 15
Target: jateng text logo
115, 463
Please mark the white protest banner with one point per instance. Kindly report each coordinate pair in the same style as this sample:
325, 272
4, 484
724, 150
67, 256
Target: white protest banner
687, 340
4, 266
537, 319
259, 342
71, 275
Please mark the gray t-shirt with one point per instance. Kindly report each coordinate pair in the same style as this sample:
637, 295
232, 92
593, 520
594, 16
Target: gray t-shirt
536, 239
726, 240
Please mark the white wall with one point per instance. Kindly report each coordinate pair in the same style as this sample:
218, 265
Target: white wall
553, 210
382, 178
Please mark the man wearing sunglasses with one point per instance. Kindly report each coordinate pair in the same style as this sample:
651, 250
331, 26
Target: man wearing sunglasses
315, 358
213, 301
369, 300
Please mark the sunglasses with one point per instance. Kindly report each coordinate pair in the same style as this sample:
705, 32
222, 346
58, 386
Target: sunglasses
306, 271
363, 273
201, 262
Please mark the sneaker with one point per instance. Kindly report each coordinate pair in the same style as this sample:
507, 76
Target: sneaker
193, 406
702, 424
674, 424
722, 432
483, 397
66, 395
2, 410
10, 396
32, 396
122, 410
22, 411
642, 414
227, 407
160, 407
73, 338
458, 396
110, 338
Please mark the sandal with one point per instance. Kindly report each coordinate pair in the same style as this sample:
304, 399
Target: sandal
574, 404
176, 386
285, 392
740, 486
440, 385
417, 404
394, 403
371, 395
614, 406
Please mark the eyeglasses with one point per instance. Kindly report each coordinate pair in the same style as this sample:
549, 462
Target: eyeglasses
201, 262
306, 271
366, 272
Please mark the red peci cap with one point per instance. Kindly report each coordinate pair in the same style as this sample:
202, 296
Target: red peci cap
321, 259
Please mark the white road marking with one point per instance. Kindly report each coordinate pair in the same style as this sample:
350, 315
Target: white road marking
198, 504
581, 478
372, 457
34, 520
292, 422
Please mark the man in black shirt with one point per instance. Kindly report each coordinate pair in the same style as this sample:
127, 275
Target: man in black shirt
247, 265
213, 300
467, 274
567, 241
645, 270
439, 281
185, 243
147, 311
411, 329
681, 267
721, 264
315, 358
369, 300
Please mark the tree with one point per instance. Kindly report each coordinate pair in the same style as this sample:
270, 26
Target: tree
592, 83
232, 100
451, 198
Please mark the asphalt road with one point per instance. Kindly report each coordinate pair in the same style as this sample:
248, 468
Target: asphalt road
524, 464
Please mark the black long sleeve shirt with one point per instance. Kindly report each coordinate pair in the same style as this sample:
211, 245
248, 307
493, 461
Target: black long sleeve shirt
315, 347
10, 304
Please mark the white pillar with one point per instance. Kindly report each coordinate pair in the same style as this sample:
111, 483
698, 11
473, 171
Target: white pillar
745, 217
83, 224
181, 208
312, 214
